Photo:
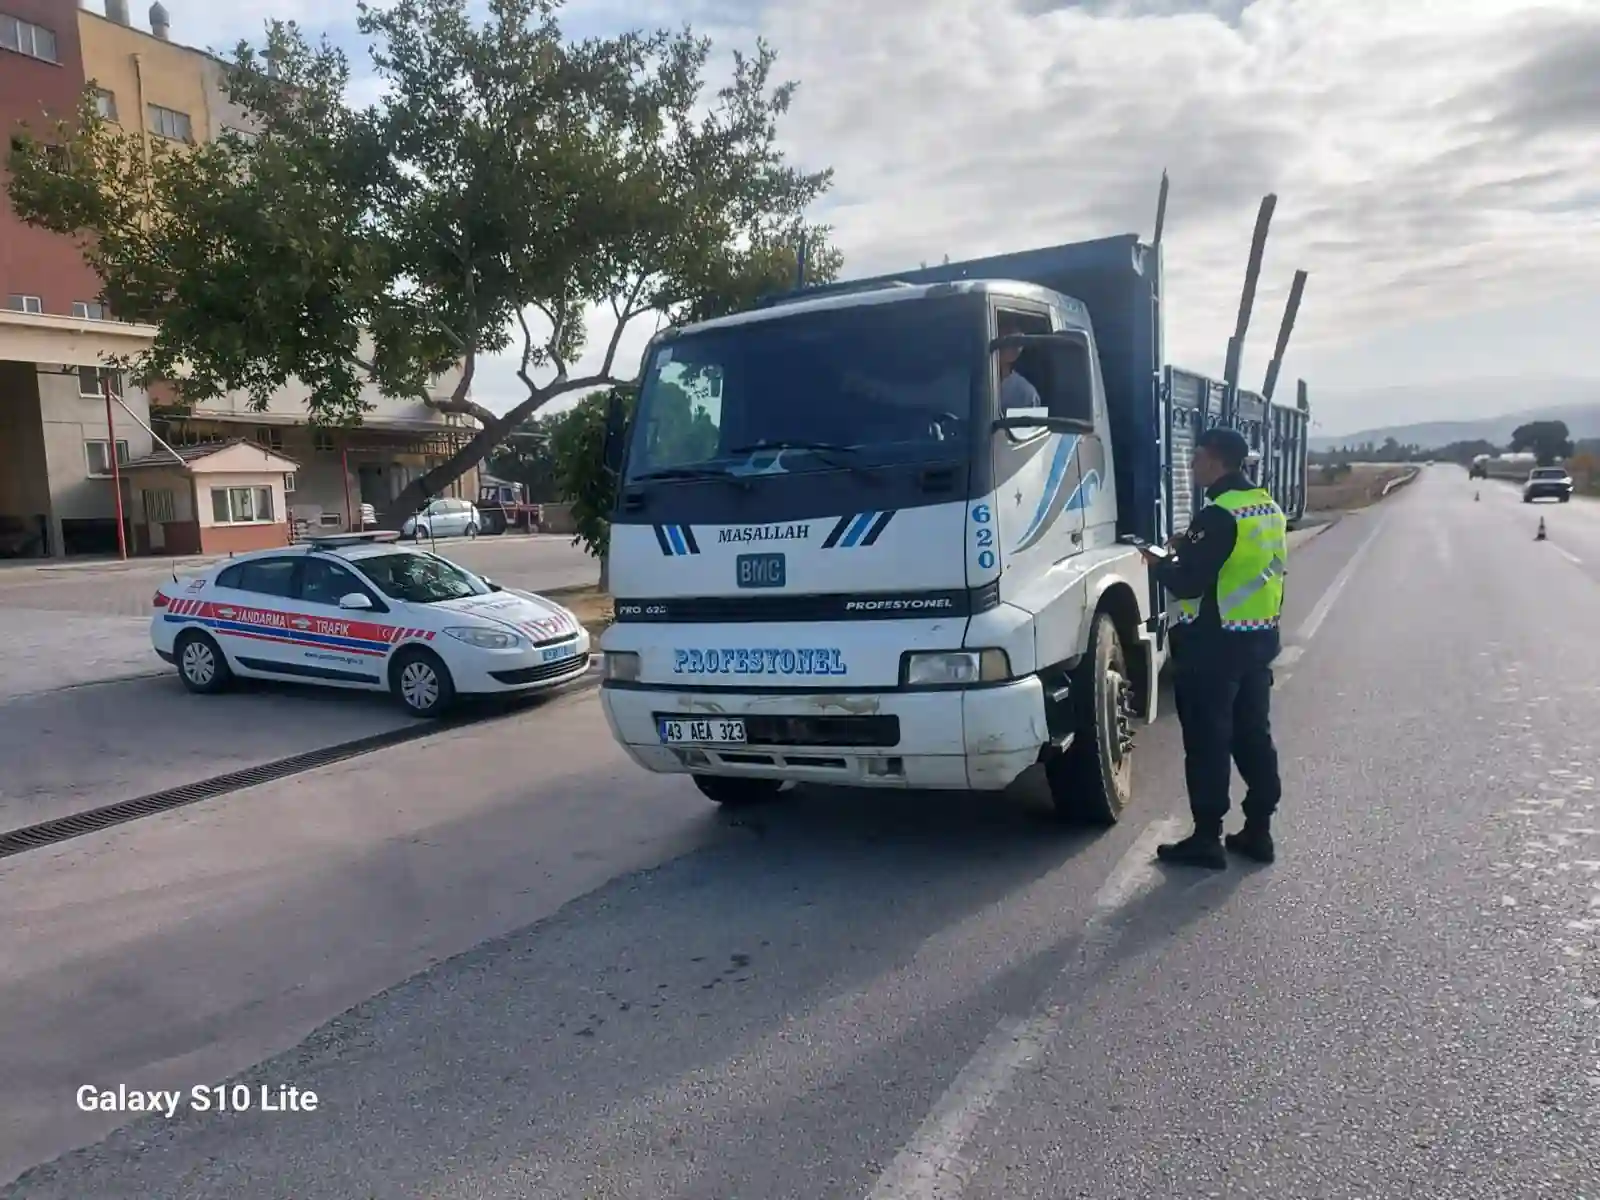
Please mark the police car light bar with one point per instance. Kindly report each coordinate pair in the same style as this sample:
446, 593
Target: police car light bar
353, 539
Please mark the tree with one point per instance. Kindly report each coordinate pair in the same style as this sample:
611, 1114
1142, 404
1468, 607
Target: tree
1548, 440
578, 444
506, 181
526, 457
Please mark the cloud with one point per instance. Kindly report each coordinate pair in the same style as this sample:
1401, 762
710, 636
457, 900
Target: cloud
1431, 157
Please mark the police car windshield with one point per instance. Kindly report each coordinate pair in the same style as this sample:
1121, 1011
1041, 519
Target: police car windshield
848, 388
420, 578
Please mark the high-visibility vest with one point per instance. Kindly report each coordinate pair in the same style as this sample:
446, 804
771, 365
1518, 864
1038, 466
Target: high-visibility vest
1250, 584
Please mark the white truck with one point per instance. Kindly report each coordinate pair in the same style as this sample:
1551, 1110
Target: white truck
850, 547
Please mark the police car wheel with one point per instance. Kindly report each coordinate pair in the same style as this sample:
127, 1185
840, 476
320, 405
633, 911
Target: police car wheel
472, 531
422, 683
740, 792
419, 534
201, 666
1092, 782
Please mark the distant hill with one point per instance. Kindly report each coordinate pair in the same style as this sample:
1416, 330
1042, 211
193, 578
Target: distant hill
1583, 421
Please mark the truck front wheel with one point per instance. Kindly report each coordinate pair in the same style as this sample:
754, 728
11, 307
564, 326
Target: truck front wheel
737, 791
1093, 781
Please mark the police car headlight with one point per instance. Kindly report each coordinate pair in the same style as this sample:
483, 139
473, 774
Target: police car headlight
622, 665
486, 639
947, 667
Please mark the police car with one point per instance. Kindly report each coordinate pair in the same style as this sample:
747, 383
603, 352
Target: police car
359, 611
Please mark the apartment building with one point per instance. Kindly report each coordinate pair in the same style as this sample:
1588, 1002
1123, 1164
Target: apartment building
57, 441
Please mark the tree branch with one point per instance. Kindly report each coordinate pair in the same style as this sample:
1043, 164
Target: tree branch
456, 402
553, 346
527, 353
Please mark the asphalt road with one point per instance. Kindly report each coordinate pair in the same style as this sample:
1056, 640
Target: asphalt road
893, 995
72, 749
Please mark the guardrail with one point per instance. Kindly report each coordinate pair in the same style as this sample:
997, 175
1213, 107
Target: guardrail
1399, 482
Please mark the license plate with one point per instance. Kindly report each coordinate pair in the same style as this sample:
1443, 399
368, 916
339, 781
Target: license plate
761, 570
556, 652
717, 731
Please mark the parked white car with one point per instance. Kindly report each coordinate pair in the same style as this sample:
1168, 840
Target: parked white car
444, 519
360, 611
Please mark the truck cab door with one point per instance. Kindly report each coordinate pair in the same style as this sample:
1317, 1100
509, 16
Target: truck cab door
1040, 499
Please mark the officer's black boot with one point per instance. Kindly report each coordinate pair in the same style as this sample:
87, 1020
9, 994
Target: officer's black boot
1254, 841
1202, 848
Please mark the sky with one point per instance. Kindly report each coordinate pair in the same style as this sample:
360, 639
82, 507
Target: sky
1434, 162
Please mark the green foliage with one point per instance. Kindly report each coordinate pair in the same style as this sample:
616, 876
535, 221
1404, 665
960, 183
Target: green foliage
506, 181
1549, 441
578, 443
526, 457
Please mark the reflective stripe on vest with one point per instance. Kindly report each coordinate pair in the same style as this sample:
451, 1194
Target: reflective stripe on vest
1250, 584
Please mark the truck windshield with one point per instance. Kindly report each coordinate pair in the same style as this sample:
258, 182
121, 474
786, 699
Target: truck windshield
863, 385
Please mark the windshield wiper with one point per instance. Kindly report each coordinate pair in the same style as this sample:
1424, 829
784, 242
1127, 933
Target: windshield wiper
820, 448
832, 453
686, 473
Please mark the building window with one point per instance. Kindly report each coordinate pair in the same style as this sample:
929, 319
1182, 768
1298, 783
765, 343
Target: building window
90, 312
91, 381
269, 438
241, 505
25, 304
105, 103
33, 40
160, 506
288, 482
94, 450
170, 123
322, 440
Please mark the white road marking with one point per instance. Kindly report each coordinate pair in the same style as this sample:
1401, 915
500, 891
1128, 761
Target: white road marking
1570, 557
932, 1165
1319, 614
1291, 654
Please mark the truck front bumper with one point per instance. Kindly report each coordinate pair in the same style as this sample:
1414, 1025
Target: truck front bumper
976, 739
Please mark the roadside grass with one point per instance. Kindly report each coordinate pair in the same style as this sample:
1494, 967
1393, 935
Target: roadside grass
1361, 486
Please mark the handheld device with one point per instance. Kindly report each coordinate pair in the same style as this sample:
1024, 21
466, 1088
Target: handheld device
1138, 543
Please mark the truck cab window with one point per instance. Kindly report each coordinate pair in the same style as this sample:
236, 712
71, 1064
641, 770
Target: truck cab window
1066, 379
1021, 372
891, 382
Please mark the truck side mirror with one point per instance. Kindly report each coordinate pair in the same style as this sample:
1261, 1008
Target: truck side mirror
616, 436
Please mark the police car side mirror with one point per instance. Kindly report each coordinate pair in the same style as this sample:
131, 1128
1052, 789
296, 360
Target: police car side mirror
355, 600
492, 585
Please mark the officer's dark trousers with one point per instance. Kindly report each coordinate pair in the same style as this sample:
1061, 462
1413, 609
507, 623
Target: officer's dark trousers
1224, 706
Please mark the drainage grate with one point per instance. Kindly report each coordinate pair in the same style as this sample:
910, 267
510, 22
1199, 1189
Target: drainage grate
48, 833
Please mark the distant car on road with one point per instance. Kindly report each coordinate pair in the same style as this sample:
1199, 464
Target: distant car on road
445, 518
361, 611
1547, 481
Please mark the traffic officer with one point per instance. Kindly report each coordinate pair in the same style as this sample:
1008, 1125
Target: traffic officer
1227, 573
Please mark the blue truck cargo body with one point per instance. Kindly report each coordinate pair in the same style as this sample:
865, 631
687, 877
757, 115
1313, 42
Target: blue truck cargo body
1155, 410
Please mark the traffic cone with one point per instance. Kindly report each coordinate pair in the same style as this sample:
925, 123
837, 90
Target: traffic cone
1475, 497
1539, 537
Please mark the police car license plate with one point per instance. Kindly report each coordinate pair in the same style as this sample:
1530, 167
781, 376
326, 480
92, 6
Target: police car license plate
721, 730
556, 652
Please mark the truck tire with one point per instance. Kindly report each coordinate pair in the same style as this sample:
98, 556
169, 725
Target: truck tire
1092, 783
737, 791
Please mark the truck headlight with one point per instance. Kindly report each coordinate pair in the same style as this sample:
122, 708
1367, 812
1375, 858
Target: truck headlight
622, 665
933, 668
486, 639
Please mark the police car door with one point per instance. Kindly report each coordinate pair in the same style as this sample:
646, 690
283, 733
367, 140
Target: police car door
345, 646
1039, 516
250, 609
